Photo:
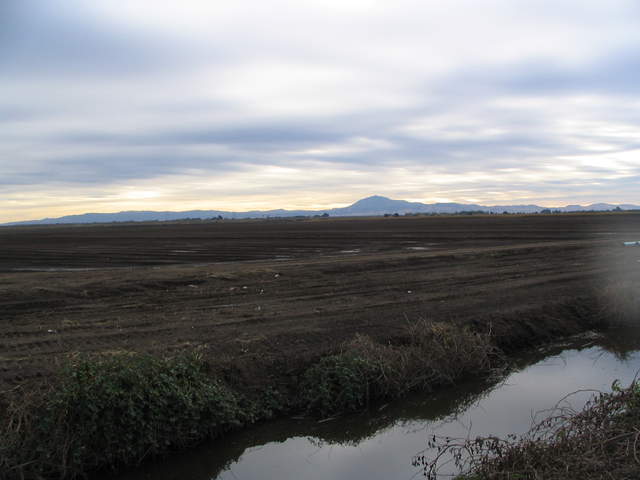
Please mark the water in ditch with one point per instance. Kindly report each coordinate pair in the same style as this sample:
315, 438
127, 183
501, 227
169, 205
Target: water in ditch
381, 444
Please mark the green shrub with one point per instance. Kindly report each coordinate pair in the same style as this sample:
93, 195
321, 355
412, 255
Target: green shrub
117, 410
339, 383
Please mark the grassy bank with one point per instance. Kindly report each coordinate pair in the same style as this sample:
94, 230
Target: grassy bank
109, 412
602, 441
113, 411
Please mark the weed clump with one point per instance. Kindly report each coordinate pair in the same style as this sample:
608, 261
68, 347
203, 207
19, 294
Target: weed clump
107, 412
365, 370
442, 353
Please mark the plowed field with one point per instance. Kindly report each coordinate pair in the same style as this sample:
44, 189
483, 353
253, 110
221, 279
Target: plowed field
277, 292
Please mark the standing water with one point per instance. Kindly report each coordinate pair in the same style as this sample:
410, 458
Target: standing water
381, 444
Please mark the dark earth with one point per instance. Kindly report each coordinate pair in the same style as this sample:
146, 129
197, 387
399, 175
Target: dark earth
265, 295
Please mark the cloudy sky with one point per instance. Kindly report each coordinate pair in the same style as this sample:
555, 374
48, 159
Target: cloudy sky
176, 105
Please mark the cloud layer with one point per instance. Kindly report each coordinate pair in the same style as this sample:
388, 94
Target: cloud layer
107, 106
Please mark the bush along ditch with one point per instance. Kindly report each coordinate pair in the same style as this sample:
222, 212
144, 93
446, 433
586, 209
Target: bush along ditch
114, 411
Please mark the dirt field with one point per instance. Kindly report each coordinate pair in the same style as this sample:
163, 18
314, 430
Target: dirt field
264, 292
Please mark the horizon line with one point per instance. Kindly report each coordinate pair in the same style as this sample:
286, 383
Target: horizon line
315, 209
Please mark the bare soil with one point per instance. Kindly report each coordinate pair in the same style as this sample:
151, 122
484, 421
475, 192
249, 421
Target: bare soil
263, 296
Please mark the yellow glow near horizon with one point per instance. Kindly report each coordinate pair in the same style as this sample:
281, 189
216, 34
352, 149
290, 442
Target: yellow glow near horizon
312, 187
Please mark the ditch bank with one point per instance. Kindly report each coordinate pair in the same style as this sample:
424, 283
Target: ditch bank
110, 412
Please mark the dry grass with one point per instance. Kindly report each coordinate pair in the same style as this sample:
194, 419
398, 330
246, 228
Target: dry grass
602, 441
433, 354
620, 302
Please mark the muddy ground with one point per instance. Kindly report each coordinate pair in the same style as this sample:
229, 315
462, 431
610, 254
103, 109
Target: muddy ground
263, 296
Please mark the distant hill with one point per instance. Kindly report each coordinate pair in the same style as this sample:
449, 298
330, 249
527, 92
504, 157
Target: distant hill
370, 206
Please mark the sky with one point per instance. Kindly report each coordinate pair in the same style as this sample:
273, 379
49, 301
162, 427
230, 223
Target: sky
236, 105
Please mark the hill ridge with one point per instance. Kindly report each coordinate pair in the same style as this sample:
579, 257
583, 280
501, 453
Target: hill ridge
373, 205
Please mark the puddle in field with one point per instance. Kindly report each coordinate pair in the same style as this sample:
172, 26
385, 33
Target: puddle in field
355, 250
381, 444
55, 269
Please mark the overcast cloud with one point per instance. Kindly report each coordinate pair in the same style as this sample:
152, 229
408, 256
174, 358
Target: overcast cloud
108, 106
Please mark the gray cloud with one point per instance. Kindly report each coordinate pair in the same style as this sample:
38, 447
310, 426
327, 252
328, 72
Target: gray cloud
264, 136
60, 38
612, 74
11, 114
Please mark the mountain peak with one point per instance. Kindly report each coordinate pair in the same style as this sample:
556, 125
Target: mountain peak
373, 199
376, 197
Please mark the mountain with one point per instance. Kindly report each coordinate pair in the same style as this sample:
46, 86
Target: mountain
370, 206
376, 205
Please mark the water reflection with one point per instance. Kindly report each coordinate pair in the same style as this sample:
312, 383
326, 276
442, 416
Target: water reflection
381, 444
